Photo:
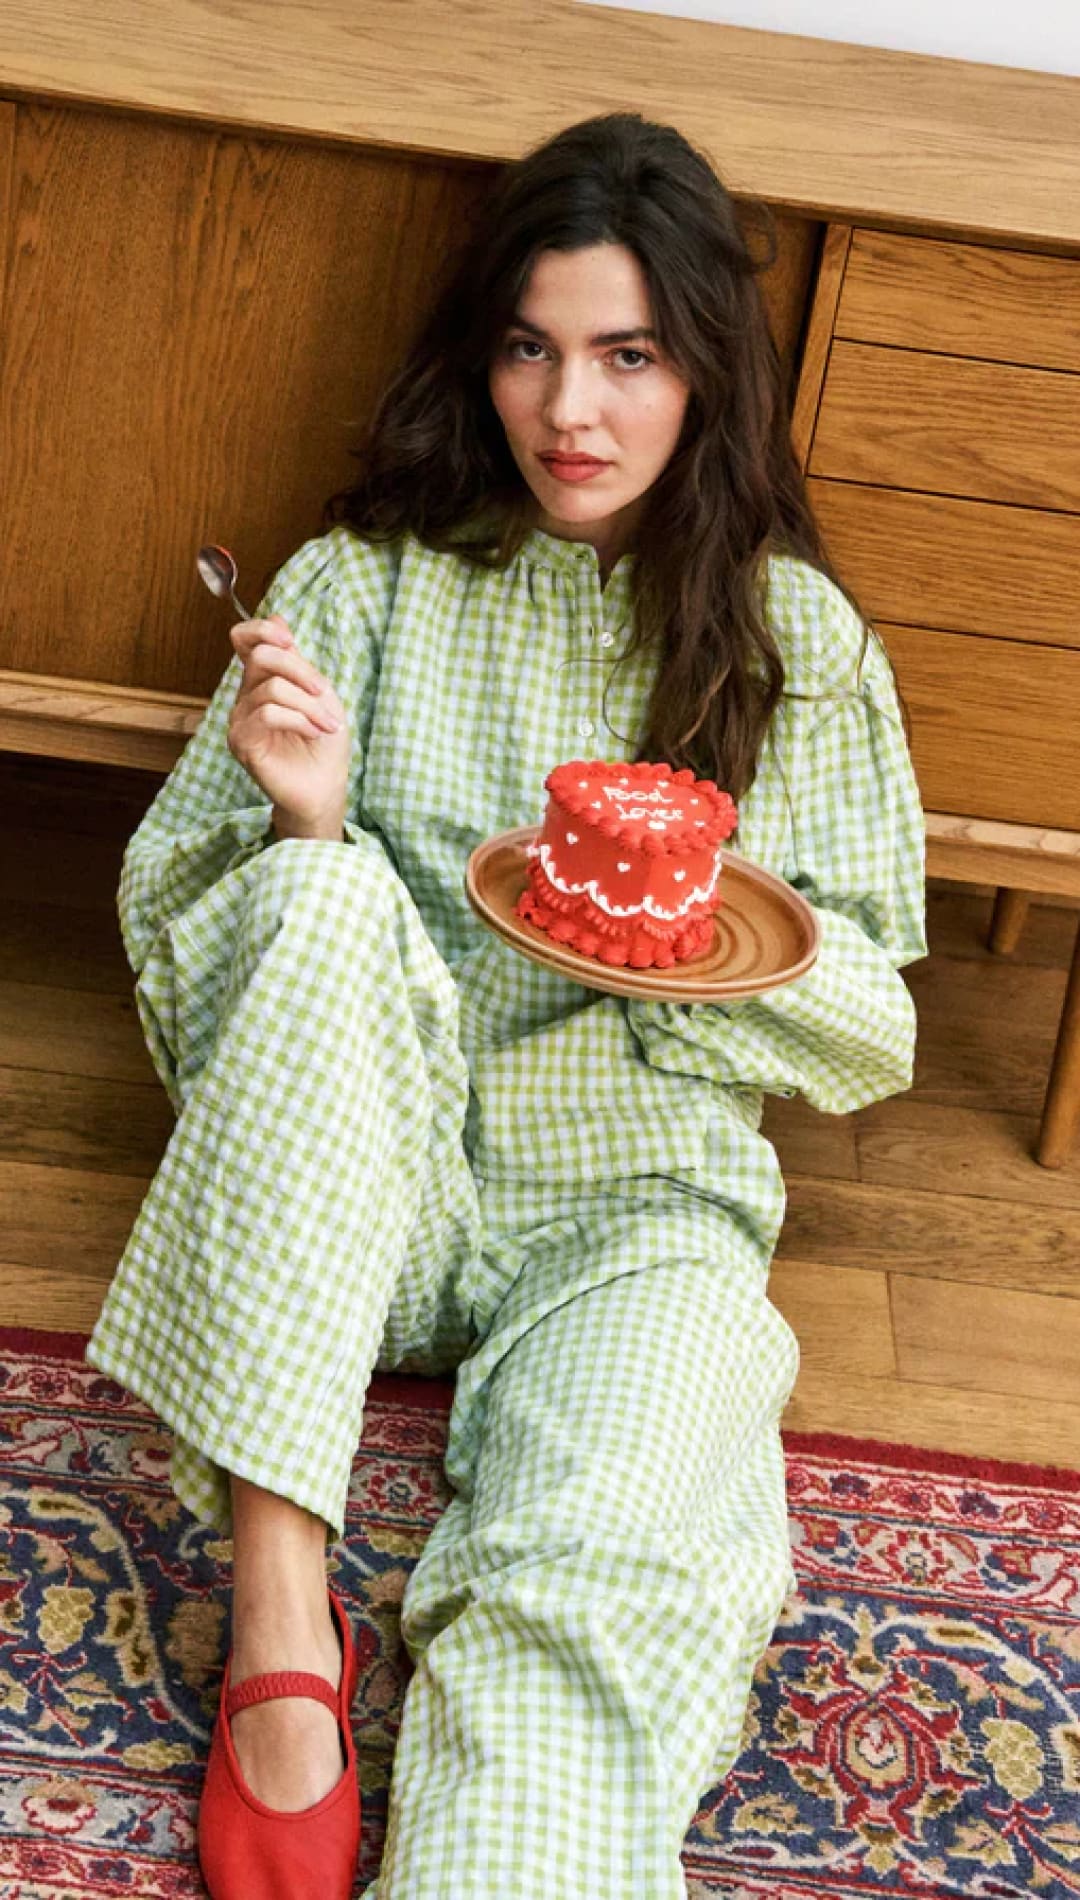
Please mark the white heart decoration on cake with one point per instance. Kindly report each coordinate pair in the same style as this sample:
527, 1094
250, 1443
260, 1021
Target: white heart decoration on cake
622, 867
679, 876
571, 837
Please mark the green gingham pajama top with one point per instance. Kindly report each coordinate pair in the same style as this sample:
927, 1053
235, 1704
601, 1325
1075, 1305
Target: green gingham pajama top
400, 1142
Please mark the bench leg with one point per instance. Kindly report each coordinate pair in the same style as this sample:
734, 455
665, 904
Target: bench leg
1010, 915
1061, 1110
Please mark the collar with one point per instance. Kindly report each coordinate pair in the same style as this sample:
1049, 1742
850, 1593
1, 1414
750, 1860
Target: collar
574, 558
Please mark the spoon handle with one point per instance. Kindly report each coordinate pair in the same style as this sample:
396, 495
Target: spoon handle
239, 606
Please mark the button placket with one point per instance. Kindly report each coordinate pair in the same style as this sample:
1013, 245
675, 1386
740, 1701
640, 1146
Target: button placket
594, 631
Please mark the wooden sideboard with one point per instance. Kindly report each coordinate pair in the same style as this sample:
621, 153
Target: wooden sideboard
198, 323
211, 268
937, 419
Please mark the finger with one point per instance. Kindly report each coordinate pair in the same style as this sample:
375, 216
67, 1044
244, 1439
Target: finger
280, 691
250, 633
265, 661
273, 719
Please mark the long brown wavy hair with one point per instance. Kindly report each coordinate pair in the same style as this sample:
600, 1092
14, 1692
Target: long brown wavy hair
437, 464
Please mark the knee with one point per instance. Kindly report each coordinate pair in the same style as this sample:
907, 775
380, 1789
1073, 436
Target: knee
339, 891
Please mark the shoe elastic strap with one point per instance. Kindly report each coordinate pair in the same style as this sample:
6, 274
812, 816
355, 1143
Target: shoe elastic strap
281, 1682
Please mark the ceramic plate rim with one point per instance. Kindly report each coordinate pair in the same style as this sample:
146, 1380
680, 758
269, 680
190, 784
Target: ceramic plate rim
618, 980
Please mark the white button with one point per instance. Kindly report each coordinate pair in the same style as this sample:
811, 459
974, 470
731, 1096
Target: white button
607, 639
586, 728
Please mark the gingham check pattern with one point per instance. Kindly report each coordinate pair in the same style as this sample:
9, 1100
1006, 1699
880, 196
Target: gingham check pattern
399, 1141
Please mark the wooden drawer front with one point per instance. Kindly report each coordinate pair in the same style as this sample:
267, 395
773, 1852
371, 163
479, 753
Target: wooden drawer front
946, 426
994, 725
962, 300
970, 566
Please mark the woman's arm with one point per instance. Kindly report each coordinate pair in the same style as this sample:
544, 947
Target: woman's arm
210, 816
854, 845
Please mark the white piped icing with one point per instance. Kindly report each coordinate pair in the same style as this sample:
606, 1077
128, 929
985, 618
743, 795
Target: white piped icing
591, 889
657, 806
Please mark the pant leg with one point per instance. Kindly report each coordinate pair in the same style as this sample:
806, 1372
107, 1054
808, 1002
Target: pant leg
314, 1206
587, 1616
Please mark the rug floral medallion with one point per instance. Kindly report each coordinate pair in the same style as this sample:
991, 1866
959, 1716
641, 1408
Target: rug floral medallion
914, 1727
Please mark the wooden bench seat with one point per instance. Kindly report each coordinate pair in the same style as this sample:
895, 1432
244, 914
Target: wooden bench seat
108, 725
76, 719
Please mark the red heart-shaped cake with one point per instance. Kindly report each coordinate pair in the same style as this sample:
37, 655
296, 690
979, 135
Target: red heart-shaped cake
627, 864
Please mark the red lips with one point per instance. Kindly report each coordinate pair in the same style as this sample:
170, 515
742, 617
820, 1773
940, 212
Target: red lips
573, 461
573, 468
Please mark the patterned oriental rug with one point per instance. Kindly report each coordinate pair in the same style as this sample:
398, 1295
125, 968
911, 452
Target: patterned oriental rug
914, 1728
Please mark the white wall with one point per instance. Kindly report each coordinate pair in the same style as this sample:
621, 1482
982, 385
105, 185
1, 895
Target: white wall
1041, 34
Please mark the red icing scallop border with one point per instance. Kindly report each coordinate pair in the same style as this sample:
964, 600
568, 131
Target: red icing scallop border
563, 783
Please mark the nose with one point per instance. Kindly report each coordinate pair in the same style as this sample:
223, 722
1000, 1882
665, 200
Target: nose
569, 397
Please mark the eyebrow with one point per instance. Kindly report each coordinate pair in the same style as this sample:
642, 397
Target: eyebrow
607, 340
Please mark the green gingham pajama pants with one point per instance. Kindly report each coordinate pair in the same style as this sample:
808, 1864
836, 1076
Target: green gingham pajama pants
586, 1616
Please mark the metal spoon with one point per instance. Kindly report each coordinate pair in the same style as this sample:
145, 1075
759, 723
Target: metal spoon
218, 570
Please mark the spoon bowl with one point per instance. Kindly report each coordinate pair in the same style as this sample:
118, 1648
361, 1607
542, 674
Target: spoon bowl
218, 569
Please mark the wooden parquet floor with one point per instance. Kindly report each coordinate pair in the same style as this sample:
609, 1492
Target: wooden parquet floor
929, 1267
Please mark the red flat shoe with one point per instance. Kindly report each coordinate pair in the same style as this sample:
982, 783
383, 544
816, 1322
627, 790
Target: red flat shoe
248, 1851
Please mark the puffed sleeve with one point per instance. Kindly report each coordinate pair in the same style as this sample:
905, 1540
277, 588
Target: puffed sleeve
835, 810
210, 816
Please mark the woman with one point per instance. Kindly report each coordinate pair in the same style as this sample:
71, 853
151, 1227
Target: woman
580, 532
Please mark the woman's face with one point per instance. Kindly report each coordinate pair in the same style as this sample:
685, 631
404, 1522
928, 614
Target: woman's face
591, 407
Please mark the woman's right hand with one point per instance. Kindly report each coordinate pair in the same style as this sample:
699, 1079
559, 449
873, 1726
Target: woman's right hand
289, 732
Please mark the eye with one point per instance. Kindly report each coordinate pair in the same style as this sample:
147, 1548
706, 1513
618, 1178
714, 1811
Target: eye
520, 349
633, 359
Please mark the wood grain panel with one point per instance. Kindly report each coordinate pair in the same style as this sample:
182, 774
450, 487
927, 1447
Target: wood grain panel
819, 333
968, 566
826, 126
932, 1236
41, 1208
75, 872
108, 725
907, 419
1024, 857
73, 1121
987, 1340
958, 923
58, 795
786, 284
71, 1300
994, 724
200, 327
840, 1316
986, 1033
808, 1142
73, 949
73, 1030
962, 300
960, 1151
7, 168
197, 326
1030, 1428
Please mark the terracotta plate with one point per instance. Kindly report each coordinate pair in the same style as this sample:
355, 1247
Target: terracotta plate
765, 933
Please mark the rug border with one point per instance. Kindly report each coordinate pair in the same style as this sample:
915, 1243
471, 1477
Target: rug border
426, 1395
436, 1395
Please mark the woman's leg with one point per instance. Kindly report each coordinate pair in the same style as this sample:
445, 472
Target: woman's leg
587, 1616
288, 1749
314, 1208
323, 1097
